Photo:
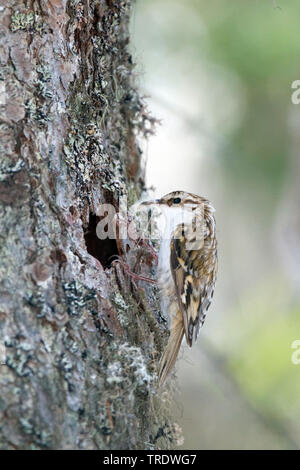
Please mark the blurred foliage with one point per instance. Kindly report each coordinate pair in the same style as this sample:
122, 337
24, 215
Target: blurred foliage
261, 357
261, 44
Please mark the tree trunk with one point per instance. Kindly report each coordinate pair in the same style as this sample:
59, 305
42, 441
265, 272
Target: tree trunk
80, 341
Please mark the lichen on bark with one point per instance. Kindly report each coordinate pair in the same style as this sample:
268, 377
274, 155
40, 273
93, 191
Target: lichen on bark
81, 341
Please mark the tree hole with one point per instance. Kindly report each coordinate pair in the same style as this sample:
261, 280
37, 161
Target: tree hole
104, 251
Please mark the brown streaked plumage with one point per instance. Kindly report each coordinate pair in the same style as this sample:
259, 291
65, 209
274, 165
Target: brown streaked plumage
187, 269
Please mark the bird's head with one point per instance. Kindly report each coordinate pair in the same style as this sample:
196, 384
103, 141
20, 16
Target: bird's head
179, 199
180, 207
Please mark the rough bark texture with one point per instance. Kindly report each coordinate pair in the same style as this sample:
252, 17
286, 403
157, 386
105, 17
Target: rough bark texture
81, 341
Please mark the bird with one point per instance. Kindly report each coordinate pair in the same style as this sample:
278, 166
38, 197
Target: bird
187, 268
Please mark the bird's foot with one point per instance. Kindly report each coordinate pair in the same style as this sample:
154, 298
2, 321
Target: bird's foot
134, 277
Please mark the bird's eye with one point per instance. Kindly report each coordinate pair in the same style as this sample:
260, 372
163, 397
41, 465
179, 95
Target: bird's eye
177, 200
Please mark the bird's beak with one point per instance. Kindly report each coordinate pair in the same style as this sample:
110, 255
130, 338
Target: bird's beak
151, 202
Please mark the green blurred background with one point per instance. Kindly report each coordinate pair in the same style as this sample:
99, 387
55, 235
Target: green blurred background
218, 75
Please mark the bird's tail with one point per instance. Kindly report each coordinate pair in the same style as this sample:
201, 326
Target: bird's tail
171, 352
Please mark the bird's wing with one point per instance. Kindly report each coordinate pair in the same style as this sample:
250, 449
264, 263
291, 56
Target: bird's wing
191, 282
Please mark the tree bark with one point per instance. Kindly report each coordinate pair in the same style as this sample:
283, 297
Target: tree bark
80, 341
